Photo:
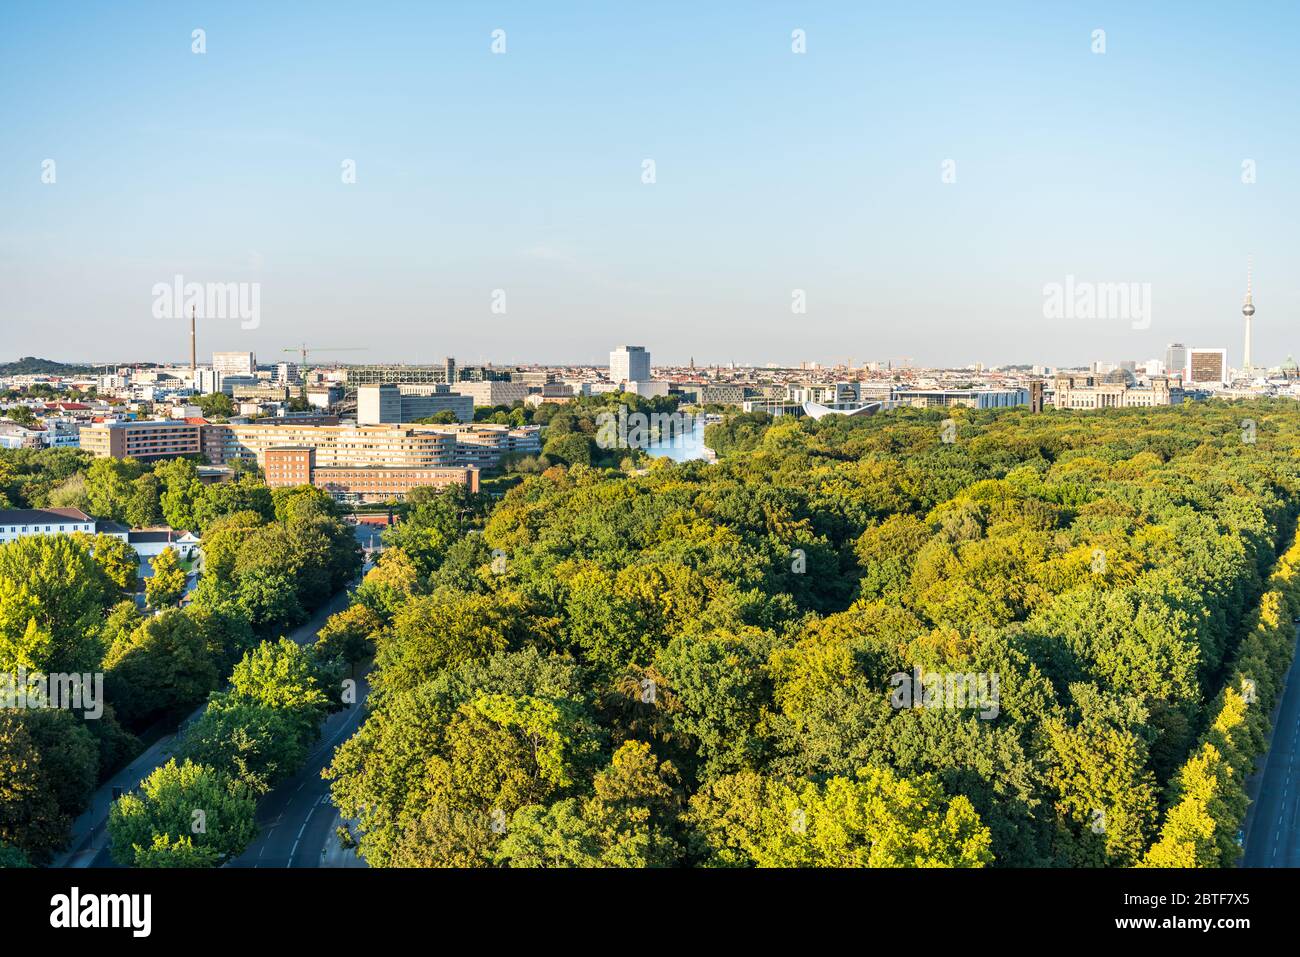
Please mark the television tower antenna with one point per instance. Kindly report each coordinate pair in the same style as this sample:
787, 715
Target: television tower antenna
1248, 313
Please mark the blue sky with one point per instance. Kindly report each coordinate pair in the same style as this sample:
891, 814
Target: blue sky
522, 172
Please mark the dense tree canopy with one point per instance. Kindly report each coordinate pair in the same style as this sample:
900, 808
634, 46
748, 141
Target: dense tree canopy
849, 642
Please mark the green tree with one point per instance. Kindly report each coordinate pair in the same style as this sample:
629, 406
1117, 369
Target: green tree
349, 635
200, 815
163, 589
255, 745
143, 508
55, 612
163, 666
627, 822
29, 815
876, 820
110, 488
283, 676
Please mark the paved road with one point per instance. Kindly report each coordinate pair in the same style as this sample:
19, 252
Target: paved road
296, 821
89, 844
1273, 828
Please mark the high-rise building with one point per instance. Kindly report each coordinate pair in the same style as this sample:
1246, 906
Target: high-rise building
234, 363
286, 373
629, 364
1036, 396
1207, 366
1176, 358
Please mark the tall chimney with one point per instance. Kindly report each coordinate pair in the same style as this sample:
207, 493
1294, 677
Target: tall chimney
194, 366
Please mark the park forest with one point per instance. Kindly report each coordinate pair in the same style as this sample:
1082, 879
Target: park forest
629, 664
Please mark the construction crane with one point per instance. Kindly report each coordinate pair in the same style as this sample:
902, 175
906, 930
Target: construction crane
303, 349
302, 353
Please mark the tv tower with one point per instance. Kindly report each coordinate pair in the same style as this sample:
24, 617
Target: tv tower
1248, 311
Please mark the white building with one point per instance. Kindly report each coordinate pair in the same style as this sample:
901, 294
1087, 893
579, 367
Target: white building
492, 393
629, 364
234, 363
647, 388
286, 373
25, 522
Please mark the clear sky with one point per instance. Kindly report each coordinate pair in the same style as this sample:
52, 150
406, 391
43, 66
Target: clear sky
523, 172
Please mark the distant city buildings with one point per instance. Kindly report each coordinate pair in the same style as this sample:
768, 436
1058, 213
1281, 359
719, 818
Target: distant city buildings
969, 398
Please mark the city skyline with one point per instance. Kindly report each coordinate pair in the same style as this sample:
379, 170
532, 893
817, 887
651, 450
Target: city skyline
920, 219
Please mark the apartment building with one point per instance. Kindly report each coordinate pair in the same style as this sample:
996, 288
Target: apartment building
15, 436
143, 440
341, 445
483, 445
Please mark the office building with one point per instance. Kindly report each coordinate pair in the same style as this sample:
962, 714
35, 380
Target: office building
1036, 396
1207, 367
393, 403
234, 363
1175, 358
286, 373
723, 394
446, 373
365, 446
342, 445
969, 398
492, 393
629, 364
296, 465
